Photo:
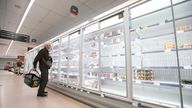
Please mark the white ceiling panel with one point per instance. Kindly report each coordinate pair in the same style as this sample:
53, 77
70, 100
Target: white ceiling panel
52, 18
2, 18
37, 12
25, 30
13, 17
17, 6
63, 6
98, 4
48, 4
12, 13
82, 1
10, 26
41, 27
30, 23
3, 4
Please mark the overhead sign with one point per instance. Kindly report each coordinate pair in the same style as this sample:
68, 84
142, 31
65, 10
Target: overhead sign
74, 10
14, 36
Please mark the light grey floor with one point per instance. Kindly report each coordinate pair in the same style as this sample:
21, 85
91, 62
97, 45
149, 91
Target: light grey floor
15, 94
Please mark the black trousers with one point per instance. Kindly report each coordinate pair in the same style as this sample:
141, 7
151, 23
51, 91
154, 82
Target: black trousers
44, 80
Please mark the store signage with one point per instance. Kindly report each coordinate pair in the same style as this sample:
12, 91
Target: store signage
14, 36
74, 11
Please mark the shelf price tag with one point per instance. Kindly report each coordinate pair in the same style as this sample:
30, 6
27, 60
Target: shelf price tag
187, 67
139, 82
156, 83
168, 50
138, 67
188, 86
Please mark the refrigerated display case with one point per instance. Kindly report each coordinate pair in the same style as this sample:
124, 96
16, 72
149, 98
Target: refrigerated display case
91, 58
183, 26
154, 53
104, 56
135, 54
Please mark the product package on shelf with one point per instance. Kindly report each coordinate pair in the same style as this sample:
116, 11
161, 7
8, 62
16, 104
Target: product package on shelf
169, 45
189, 82
142, 74
186, 45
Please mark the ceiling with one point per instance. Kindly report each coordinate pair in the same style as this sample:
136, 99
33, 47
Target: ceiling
49, 18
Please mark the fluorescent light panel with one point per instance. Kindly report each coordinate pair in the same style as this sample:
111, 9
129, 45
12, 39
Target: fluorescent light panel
25, 14
9, 47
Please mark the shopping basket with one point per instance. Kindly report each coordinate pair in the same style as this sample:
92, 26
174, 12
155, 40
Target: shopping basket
32, 79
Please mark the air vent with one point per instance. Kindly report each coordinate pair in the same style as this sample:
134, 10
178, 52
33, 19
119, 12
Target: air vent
17, 6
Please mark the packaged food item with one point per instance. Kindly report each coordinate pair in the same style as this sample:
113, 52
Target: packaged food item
186, 45
144, 75
169, 45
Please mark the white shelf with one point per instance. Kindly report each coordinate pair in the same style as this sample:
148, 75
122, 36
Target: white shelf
162, 83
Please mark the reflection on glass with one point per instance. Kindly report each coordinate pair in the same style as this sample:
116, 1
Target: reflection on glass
113, 71
154, 61
73, 59
54, 70
183, 14
91, 61
63, 77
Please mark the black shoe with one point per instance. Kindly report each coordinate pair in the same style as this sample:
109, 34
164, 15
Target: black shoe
41, 95
45, 92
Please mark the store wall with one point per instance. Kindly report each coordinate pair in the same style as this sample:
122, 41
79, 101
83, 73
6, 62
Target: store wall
3, 61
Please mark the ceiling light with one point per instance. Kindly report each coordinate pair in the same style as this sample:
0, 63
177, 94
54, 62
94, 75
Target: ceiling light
25, 14
9, 47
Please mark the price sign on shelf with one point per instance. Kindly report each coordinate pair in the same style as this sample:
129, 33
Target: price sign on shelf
188, 86
187, 67
168, 50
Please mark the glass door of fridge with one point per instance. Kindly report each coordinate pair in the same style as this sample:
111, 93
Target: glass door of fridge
73, 57
154, 60
54, 53
113, 65
63, 77
91, 58
183, 21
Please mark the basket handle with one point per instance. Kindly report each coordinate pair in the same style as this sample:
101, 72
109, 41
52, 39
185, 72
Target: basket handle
33, 70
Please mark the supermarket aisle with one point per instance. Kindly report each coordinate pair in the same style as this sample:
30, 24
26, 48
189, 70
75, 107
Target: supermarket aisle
15, 94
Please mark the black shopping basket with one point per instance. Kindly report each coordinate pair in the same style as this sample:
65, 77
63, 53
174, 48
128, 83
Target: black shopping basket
32, 79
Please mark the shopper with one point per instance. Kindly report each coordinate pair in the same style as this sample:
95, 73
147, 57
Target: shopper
19, 65
44, 64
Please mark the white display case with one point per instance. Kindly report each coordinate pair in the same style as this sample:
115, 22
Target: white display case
133, 54
154, 53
